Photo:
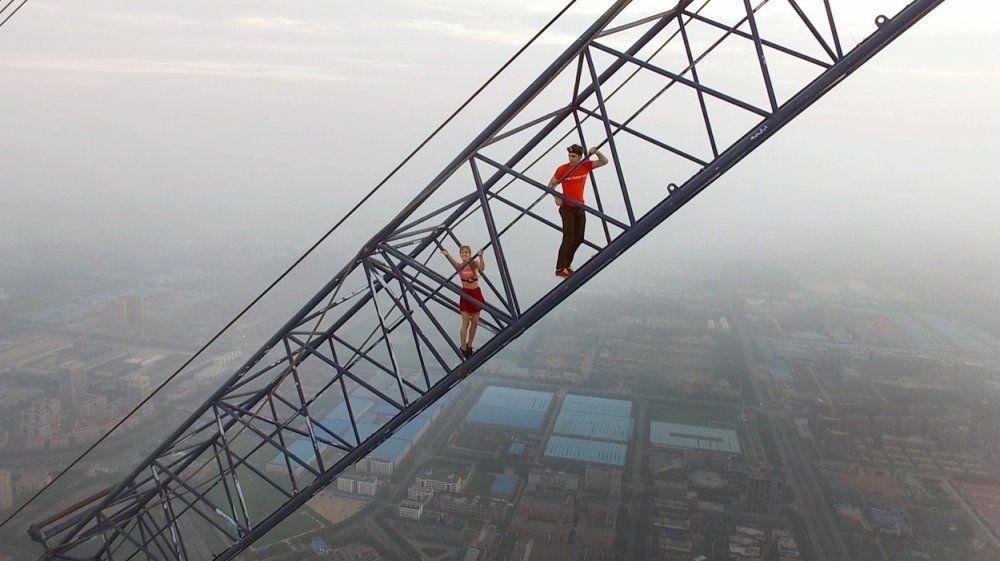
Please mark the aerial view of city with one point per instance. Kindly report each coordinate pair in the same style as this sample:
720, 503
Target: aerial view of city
800, 364
698, 417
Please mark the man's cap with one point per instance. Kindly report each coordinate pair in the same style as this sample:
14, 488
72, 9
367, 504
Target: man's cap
575, 149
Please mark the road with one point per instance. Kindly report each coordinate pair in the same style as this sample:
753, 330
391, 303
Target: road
821, 526
738, 324
638, 539
819, 518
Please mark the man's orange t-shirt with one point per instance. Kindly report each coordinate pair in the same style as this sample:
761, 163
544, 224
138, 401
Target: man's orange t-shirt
572, 186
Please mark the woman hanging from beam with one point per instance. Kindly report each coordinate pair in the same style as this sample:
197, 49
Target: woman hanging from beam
468, 271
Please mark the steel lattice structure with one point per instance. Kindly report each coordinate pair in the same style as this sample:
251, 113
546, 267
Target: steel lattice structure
375, 347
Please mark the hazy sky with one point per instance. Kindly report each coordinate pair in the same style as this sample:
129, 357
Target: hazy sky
166, 120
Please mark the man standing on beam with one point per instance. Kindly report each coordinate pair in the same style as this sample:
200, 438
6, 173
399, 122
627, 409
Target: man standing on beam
573, 177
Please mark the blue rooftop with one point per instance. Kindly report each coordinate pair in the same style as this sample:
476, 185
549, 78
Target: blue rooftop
504, 485
506, 417
359, 406
383, 408
511, 408
302, 449
410, 430
608, 453
365, 430
592, 425
392, 449
337, 423
514, 398
516, 449
598, 405
330, 426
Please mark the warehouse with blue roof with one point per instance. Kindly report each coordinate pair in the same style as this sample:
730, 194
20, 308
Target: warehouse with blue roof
301, 449
592, 425
516, 398
359, 406
577, 449
673, 435
511, 408
383, 459
415, 428
330, 426
504, 486
592, 429
598, 405
384, 408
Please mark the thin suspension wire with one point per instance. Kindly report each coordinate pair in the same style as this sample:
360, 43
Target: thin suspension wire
295, 264
4, 9
19, 6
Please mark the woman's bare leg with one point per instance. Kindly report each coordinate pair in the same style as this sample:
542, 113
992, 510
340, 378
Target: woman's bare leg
463, 334
473, 324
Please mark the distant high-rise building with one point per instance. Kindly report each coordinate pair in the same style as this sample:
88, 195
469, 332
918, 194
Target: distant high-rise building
985, 425
883, 425
31, 482
838, 445
133, 308
888, 364
42, 419
900, 407
6, 490
829, 423
937, 426
116, 311
139, 388
127, 309
72, 382
764, 493
91, 405
911, 426
856, 424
